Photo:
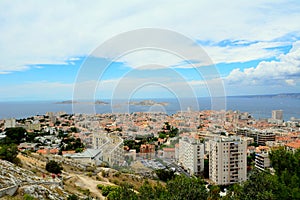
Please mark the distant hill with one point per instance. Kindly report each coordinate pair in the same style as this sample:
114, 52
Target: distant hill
280, 95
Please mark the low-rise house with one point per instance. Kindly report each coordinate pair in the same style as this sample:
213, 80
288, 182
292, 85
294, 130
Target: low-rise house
147, 150
262, 161
89, 156
28, 146
64, 153
293, 146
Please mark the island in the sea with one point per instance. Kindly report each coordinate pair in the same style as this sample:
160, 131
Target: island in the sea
147, 103
98, 102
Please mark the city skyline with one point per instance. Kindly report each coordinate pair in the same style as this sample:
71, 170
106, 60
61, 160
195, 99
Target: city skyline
253, 45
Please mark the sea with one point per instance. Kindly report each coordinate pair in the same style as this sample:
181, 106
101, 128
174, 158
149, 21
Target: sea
258, 107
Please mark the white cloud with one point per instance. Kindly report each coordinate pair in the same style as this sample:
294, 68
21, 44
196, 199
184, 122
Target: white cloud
37, 90
54, 31
230, 54
290, 82
285, 70
7, 70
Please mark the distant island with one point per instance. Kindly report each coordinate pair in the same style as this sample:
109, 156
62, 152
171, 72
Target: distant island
148, 103
97, 102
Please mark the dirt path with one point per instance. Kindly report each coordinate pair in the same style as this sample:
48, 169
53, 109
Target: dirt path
79, 180
86, 182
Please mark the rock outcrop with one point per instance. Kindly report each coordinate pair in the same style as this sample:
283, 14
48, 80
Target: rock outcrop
14, 179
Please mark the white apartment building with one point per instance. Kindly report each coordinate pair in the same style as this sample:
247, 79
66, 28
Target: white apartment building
99, 139
111, 146
262, 161
113, 152
191, 155
10, 123
277, 114
227, 160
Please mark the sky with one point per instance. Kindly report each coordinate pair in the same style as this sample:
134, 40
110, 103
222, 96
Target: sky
55, 50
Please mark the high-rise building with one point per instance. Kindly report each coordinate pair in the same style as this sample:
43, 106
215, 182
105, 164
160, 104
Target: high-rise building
191, 155
111, 146
10, 123
277, 114
227, 160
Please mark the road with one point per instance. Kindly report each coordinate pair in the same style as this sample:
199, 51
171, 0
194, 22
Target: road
179, 169
174, 165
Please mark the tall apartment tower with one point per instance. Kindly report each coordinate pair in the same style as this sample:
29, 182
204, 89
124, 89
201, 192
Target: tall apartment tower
191, 155
227, 160
10, 123
277, 114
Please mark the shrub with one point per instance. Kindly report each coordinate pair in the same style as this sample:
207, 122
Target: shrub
106, 189
28, 197
53, 167
72, 197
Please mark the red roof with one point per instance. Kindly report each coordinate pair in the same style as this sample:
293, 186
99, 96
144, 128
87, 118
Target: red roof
43, 151
169, 149
68, 152
294, 145
54, 151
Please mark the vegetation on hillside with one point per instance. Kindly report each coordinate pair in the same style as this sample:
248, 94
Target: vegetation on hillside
284, 184
14, 135
9, 144
9, 152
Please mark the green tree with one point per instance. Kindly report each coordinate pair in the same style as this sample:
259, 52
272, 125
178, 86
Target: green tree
14, 135
167, 126
173, 132
260, 185
150, 192
214, 193
282, 160
107, 189
53, 167
160, 191
165, 174
125, 191
286, 165
182, 187
9, 152
162, 135
74, 129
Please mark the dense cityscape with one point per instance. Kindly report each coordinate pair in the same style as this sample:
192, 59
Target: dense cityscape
220, 147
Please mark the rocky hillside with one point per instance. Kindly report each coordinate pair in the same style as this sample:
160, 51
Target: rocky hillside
79, 180
19, 181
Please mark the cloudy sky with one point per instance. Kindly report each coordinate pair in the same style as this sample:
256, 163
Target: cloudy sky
49, 49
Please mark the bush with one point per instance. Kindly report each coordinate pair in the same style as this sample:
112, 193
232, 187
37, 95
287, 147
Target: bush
72, 197
106, 189
104, 173
53, 167
99, 186
89, 174
28, 197
117, 174
115, 182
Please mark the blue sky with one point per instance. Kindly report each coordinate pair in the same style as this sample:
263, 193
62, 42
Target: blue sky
254, 48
